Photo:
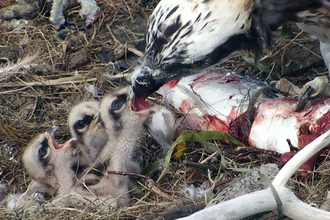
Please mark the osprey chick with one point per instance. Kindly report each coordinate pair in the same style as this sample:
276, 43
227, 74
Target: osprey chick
123, 127
86, 126
49, 164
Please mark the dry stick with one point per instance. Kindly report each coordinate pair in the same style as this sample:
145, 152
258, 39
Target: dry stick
199, 165
52, 82
153, 187
14, 91
49, 51
25, 62
264, 200
285, 46
136, 52
256, 150
117, 76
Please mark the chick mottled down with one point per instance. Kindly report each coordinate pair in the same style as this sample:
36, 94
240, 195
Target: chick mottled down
49, 165
86, 126
123, 127
106, 134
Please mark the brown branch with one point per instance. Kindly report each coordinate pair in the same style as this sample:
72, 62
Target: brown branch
152, 186
199, 165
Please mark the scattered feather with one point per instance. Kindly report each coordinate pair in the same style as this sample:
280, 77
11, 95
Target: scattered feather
93, 91
23, 202
162, 127
196, 193
26, 63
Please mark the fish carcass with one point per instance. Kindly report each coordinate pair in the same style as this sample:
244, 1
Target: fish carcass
217, 100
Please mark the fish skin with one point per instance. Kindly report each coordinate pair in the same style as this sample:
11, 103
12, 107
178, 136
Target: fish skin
221, 97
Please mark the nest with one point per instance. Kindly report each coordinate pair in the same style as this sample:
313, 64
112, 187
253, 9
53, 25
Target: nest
44, 73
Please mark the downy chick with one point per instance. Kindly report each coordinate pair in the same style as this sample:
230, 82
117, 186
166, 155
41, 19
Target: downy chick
49, 165
123, 127
86, 126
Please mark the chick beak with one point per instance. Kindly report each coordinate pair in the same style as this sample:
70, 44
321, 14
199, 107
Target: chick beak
52, 130
68, 144
52, 142
97, 118
97, 122
51, 137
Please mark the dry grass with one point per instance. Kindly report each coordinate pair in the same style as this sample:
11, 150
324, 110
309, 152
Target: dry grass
36, 97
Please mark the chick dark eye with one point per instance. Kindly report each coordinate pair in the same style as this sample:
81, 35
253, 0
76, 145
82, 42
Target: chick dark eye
84, 122
117, 104
44, 149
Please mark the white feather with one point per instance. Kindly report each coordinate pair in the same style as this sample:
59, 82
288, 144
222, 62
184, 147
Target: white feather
89, 10
196, 193
56, 14
26, 63
30, 202
162, 127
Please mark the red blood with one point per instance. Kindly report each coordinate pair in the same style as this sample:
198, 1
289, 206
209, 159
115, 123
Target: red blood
193, 123
236, 123
239, 129
201, 78
172, 83
185, 106
309, 132
308, 165
215, 124
220, 78
207, 123
285, 158
233, 79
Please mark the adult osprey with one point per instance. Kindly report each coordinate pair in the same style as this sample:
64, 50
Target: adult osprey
185, 36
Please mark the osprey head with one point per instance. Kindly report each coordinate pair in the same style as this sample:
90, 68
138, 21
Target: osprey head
143, 82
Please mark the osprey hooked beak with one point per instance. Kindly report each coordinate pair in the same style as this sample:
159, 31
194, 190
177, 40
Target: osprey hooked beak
144, 82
